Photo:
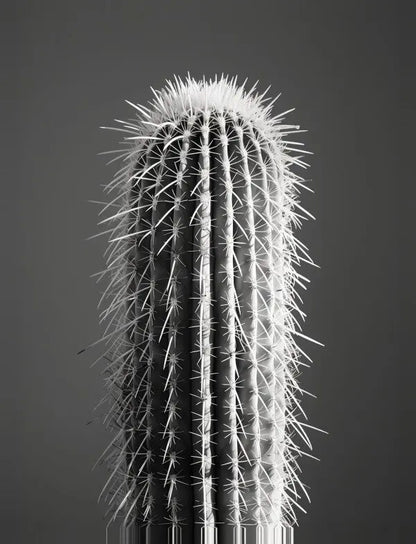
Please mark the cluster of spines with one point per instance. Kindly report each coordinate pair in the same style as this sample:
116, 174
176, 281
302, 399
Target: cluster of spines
206, 205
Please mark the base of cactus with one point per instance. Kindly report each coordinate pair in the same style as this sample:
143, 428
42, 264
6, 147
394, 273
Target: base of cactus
224, 534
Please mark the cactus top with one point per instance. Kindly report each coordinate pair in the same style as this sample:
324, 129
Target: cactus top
190, 97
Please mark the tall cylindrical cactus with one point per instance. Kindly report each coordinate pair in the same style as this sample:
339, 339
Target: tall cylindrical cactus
201, 319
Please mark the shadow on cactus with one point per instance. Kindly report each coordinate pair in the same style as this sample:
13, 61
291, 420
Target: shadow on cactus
201, 316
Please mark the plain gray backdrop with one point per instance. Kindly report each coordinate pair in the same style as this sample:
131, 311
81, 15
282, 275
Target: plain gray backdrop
346, 66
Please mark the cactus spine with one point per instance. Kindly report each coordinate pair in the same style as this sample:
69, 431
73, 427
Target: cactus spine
202, 315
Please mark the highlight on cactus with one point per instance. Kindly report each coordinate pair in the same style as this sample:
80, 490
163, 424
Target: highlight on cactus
201, 313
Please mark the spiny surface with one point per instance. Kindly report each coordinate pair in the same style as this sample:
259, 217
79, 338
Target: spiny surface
201, 314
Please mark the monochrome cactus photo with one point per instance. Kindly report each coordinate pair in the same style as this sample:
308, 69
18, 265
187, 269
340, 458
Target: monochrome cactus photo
201, 313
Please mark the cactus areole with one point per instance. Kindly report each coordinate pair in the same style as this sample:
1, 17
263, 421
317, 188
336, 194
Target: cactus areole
202, 317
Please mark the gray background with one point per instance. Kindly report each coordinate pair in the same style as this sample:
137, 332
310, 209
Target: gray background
346, 67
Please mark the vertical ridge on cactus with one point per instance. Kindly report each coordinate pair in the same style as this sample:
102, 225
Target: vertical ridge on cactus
201, 314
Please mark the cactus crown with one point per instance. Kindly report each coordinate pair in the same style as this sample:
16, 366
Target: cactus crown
202, 313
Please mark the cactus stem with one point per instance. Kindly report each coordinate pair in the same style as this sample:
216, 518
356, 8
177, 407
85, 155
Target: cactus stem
202, 318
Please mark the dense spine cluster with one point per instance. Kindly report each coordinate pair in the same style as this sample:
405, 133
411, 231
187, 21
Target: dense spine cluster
201, 315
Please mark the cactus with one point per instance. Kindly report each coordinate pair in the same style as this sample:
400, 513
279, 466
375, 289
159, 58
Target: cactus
201, 315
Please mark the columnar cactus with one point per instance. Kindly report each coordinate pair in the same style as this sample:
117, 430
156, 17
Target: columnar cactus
201, 319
